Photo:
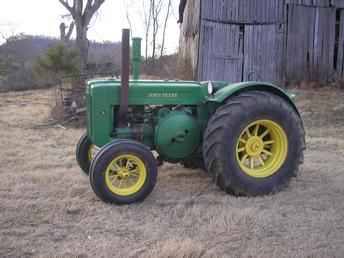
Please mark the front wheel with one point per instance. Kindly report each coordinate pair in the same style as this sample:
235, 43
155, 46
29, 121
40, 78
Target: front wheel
254, 144
123, 172
85, 152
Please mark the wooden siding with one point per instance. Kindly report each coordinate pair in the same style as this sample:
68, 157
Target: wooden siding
268, 40
243, 11
337, 3
340, 52
222, 54
310, 47
263, 53
318, 3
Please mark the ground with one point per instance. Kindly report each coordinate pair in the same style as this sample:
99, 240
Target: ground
47, 208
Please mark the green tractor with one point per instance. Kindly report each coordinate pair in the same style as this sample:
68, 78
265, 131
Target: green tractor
248, 137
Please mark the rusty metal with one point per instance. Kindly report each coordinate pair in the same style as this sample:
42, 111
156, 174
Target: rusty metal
123, 109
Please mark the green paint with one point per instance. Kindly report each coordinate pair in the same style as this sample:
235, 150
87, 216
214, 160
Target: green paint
152, 92
177, 135
167, 116
136, 58
231, 89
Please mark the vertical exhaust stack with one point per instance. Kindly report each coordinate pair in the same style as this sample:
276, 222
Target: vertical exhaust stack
136, 58
123, 109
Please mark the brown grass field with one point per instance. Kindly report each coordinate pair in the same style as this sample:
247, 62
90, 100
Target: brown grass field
47, 208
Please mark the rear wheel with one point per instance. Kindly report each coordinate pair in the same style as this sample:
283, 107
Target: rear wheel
254, 144
85, 152
123, 172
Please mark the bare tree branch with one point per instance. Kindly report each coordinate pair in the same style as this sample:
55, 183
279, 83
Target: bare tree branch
127, 13
67, 6
91, 9
63, 35
70, 30
156, 10
168, 13
147, 23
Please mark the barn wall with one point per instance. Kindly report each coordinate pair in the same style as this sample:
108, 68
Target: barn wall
251, 39
243, 11
269, 40
189, 41
221, 55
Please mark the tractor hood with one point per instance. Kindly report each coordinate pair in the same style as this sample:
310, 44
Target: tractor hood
149, 92
145, 92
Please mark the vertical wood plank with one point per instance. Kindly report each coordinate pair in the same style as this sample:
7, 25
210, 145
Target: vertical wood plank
340, 53
221, 52
324, 43
263, 59
299, 42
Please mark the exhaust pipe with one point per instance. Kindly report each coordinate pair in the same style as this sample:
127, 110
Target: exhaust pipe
123, 109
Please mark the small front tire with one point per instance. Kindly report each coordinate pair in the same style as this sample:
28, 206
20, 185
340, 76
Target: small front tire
123, 172
85, 152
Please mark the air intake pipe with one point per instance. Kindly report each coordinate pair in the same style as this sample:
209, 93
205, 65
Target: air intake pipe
136, 58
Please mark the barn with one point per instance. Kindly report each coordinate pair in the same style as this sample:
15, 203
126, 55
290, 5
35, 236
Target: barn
266, 40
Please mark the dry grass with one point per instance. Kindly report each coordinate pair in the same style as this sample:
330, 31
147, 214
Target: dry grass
47, 208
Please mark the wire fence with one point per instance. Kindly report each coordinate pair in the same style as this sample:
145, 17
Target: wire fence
70, 92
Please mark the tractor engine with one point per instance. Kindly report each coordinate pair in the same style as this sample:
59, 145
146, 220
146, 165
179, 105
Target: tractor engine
173, 131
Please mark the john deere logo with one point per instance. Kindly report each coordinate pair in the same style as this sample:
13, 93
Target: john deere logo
163, 95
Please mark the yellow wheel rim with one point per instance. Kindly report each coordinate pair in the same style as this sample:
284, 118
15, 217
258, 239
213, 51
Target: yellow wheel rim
92, 151
125, 175
262, 148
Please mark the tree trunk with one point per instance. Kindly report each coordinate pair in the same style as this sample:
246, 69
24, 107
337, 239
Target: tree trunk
83, 46
147, 21
164, 30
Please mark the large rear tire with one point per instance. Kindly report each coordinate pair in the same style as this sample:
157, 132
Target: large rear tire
123, 172
254, 144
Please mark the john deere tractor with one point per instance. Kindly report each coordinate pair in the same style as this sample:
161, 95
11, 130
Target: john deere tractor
248, 136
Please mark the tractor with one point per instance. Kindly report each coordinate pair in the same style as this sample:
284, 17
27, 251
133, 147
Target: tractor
249, 136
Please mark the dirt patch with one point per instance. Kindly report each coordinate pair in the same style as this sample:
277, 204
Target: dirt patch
48, 209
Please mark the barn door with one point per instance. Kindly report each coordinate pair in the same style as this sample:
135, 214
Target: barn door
221, 52
263, 51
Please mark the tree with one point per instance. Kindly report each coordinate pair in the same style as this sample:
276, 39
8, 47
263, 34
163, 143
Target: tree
156, 6
142, 8
65, 36
147, 20
59, 61
82, 12
168, 13
155, 16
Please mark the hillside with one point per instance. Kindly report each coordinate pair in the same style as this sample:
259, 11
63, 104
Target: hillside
19, 54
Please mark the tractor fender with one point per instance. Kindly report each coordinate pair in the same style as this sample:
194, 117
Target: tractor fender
234, 89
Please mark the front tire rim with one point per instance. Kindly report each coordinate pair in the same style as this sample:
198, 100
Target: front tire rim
262, 148
92, 151
125, 175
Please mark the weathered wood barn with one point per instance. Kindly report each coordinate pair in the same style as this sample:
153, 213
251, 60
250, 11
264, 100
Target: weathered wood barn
269, 40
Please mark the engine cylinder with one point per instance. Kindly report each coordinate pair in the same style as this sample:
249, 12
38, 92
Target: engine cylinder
177, 135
